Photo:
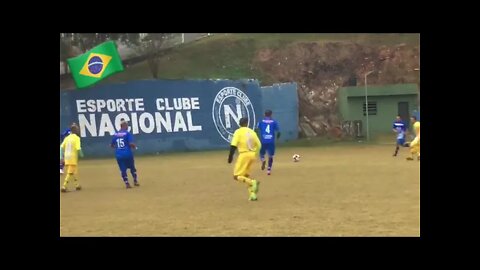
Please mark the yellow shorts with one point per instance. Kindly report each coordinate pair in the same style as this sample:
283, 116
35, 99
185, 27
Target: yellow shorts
71, 169
415, 149
243, 165
415, 142
415, 146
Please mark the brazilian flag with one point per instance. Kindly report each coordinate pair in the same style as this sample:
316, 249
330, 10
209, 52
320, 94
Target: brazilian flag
96, 64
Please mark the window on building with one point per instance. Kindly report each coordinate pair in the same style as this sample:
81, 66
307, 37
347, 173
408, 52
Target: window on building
372, 108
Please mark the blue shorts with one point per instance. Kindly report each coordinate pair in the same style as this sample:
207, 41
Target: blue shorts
125, 163
401, 141
267, 148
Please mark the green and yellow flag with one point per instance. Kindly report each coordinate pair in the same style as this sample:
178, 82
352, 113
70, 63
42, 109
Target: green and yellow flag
96, 64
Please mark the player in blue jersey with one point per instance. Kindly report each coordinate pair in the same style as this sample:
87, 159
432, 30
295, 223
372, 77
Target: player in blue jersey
122, 141
62, 137
400, 128
267, 129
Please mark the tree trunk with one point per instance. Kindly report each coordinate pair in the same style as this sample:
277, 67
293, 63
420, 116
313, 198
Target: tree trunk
153, 65
65, 67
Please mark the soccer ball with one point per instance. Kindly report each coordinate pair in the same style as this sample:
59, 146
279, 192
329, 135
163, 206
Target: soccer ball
296, 158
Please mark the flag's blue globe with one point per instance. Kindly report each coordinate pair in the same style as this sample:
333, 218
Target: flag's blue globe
95, 65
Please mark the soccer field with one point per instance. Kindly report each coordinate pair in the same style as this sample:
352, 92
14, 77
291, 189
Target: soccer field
333, 191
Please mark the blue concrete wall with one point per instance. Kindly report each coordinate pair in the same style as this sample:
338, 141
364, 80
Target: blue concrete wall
174, 115
282, 100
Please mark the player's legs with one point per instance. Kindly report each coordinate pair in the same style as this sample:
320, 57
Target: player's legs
71, 173
240, 169
418, 149
253, 189
248, 161
66, 180
242, 172
413, 151
133, 170
263, 150
271, 153
418, 154
400, 142
122, 165
414, 148
74, 170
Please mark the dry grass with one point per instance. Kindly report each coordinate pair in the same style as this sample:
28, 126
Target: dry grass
332, 191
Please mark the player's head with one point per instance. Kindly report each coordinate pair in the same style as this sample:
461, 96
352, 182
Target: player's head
243, 122
399, 118
75, 129
124, 124
413, 118
268, 113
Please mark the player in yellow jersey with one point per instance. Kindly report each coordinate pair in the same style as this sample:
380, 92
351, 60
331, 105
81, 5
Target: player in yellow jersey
415, 144
70, 150
246, 141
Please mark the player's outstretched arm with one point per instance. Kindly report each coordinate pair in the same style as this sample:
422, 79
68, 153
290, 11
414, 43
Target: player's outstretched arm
133, 146
80, 153
61, 153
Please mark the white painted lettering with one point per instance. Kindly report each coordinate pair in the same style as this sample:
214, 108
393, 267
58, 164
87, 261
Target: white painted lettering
139, 104
111, 105
165, 122
91, 105
120, 105
105, 125
186, 104
87, 125
81, 107
179, 122
130, 103
160, 107
167, 105
177, 104
229, 113
142, 123
100, 104
195, 103
134, 124
191, 127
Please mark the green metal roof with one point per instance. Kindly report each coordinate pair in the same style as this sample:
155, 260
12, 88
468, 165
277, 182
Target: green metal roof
382, 90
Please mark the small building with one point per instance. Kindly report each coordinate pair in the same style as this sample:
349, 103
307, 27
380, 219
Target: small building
384, 104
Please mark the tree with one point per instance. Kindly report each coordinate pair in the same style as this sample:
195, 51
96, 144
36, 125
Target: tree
149, 46
66, 50
87, 41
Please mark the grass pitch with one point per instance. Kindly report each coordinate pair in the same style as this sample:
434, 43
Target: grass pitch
353, 190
